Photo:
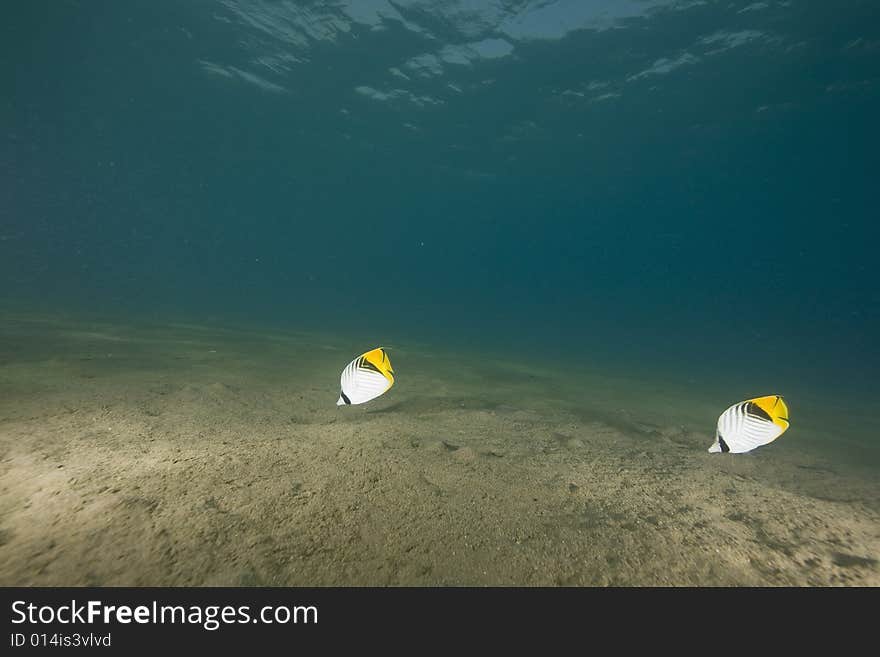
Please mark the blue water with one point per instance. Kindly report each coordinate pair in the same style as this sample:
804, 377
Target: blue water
671, 186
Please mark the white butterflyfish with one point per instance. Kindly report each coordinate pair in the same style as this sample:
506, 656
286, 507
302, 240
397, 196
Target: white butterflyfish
366, 377
750, 424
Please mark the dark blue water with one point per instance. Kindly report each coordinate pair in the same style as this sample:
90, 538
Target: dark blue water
670, 185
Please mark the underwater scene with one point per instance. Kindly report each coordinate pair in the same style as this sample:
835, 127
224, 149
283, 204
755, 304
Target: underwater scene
439, 293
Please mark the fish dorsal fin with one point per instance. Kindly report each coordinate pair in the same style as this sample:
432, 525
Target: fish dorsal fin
774, 408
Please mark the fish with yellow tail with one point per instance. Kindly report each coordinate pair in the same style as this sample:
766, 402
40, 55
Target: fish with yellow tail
750, 424
366, 377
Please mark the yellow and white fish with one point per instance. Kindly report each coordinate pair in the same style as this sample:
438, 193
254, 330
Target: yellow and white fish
366, 377
750, 424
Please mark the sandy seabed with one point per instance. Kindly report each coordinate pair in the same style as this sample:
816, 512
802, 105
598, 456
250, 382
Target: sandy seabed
193, 455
